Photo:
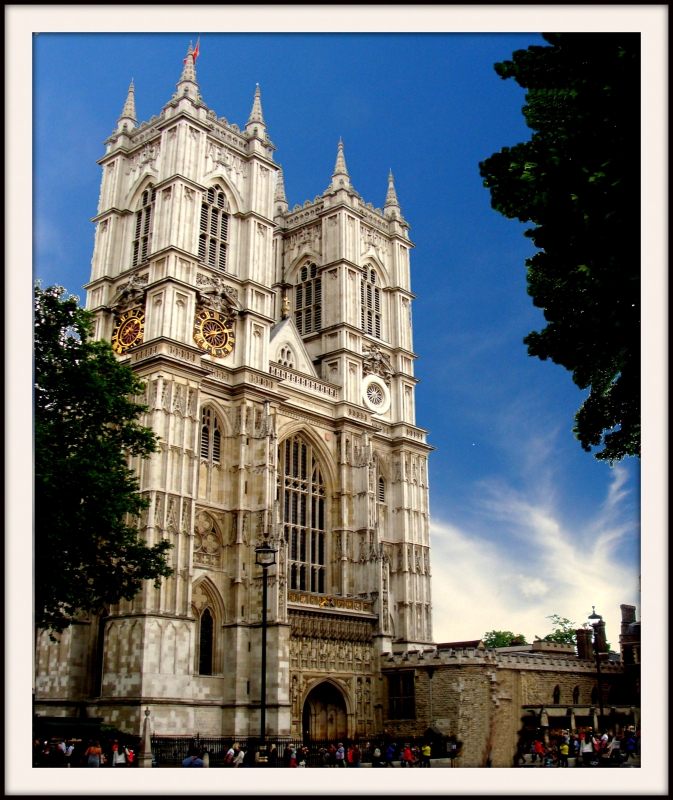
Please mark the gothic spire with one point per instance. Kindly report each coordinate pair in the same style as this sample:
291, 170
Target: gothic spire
279, 196
279, 199
391, 197
129, 111
340, 166
256, 113
188, 71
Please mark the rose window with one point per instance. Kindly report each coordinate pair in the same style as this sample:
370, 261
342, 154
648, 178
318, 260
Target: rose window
375, 394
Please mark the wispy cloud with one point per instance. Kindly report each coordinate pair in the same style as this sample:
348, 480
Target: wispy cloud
520, 561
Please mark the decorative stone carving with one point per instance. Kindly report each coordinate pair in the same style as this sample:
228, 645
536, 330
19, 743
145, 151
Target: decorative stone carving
377, 363
147, 156
129, 294
216, 295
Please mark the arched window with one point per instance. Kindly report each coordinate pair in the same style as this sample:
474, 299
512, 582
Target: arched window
206, 643
286, 357
214, 229
301, 491
211, 437
576, 696
557, 695
308, 300
142, 232
382, 491
370, 304
594, 696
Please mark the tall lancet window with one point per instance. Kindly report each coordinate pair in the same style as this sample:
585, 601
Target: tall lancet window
301, 491
308, 300
206, 643
214, 229
142, 231
211, 437
370, 304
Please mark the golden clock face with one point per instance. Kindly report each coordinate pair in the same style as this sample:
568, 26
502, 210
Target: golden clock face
214, 333
129, 330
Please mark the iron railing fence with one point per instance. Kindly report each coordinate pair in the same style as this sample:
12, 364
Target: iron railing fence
174, 749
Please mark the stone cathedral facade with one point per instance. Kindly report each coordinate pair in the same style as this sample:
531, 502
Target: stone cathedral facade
276, 349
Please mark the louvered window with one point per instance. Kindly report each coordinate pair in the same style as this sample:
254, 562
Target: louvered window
142, 231
211, 437
214, 229
308, 300
301, 491
382, 491
370, 304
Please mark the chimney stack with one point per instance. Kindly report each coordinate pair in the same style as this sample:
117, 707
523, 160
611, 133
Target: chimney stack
628, 616
584, 645
600, 635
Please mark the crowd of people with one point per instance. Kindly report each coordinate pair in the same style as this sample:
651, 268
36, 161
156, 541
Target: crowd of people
63, 752
589, 749
334, 755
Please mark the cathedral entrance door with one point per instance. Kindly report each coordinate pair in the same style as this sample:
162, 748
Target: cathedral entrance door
324, 715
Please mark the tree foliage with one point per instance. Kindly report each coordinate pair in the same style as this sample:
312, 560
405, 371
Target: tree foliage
563, 630
578, 181
87, 550
503, 638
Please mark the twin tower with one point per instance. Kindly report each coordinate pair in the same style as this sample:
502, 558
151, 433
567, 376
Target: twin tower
276, 349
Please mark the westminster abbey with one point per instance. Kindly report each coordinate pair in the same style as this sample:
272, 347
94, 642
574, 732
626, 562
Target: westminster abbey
275, 344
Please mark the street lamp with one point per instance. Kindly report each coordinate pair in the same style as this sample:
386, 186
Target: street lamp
265, 557
596, 625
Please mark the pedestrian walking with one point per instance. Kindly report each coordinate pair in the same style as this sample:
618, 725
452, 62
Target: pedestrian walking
426, 750
390, 754
376, 758
273, 756
340, 755
293, 756
238, 758
94, 755
356, 756
118, 755
331, 756
407, 756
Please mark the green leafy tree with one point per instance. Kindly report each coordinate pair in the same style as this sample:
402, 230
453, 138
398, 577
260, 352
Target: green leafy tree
87, 550
563, 630
503, 638
578, 181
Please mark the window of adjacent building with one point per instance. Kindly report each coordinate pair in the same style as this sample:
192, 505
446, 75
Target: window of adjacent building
142, 232
557, 695
206, 643
211, 437
301, 491
308, 300
401, 700
370, 304
576, 695
214, 229
594, 696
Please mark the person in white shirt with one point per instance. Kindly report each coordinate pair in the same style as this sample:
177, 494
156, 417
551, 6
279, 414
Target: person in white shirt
238, 759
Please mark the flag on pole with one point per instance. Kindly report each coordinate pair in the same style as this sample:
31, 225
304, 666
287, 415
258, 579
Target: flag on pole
195, 54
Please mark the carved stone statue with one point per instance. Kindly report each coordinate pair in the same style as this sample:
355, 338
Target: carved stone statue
130, 294
377, 363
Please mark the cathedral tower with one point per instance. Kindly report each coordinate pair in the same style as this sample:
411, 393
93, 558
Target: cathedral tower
276, 348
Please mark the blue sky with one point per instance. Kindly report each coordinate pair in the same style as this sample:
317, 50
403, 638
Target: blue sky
525, 523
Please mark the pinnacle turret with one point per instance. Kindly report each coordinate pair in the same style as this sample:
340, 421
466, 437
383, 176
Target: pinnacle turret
391, 197
340, 177
279, 199
129, 110
187, 83
256, 115
340, 166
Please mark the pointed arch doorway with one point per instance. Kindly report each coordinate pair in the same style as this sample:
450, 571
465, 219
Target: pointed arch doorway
324, 715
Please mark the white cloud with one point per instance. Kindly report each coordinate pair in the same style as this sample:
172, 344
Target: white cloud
530, 564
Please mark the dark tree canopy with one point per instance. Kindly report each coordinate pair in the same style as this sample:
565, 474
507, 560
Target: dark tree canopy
87, 550
563, 630
503, 638
578, 181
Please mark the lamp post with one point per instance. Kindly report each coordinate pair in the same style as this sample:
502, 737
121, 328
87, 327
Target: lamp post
265, 557
595, 625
